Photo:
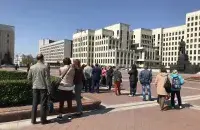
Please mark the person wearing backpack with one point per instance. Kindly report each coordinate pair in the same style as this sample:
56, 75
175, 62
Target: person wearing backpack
177, 82
160, 83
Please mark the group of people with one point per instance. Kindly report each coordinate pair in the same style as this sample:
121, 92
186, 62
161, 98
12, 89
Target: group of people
76, 77
94, 76
39, 75
168, 85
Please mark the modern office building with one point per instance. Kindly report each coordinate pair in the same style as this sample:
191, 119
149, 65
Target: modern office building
165, 43
55, 51
108, 46
7, 41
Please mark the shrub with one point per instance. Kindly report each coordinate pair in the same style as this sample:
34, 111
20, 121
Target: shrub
15, 92
12, 75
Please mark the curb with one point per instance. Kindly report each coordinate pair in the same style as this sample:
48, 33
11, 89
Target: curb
16, 115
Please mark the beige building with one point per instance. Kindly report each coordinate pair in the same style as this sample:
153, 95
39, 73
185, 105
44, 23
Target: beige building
55, 51
7, 41
108, 46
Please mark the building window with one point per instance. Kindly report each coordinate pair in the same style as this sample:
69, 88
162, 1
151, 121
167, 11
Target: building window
192, 24
195, 23
188, 19
196, 17
182, 32
196, 29
188, 24
192, 18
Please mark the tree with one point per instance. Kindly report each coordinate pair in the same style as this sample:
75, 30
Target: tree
27, 59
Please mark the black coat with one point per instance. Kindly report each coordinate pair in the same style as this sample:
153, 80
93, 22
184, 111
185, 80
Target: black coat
133, 75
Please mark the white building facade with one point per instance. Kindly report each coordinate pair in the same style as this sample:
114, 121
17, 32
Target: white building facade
7, 41
55, 51
108, 46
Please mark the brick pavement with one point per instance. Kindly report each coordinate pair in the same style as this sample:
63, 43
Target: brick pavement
131, 113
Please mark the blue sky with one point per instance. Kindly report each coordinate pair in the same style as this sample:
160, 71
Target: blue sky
58, 19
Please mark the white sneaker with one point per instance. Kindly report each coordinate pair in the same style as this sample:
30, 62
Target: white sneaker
130, 95
180, 107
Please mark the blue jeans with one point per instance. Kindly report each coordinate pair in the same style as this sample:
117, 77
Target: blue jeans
78, 88
95, 85
144, 88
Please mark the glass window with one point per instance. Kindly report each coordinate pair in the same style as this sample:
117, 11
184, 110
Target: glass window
188, 19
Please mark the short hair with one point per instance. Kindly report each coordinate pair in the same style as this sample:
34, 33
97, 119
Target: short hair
67, 61
146, 67
40, 57
96, 64
162, 69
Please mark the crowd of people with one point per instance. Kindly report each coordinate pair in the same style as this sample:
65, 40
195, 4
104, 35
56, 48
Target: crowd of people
75, 77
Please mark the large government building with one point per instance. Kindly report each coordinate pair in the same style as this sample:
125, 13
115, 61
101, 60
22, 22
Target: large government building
55, 51
7, 42
118, 45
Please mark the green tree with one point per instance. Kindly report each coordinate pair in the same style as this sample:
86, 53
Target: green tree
27, 59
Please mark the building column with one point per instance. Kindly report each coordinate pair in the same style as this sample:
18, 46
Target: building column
119, 59
123, 59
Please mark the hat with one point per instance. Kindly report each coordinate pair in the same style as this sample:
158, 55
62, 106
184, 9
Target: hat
175, 72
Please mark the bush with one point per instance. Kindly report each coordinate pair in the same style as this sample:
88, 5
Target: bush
15, 92
12, 75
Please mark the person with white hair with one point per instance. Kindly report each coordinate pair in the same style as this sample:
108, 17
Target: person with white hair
177, 82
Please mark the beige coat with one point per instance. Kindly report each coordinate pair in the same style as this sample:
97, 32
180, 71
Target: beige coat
159, 83
68, 79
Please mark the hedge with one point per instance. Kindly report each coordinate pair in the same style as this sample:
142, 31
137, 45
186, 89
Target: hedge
16, 92
12, 75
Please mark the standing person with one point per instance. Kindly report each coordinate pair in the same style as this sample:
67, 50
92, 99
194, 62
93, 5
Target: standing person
177, 82
117, 81
84, 81
103, 76
160, 81
40, 78
145, 78
66, 86
96, 76
133, 78
88, 77
78, 81
109, 77
28, 67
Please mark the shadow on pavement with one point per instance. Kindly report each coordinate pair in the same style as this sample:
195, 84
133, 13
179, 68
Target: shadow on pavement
65, 119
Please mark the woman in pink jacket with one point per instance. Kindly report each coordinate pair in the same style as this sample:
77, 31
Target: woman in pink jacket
103, 79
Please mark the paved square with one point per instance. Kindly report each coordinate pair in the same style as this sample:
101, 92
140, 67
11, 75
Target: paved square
128, 113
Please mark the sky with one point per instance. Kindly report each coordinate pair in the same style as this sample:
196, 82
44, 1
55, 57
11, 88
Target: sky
59, 19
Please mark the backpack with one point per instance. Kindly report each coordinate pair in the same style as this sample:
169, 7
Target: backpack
167, 85
176, 83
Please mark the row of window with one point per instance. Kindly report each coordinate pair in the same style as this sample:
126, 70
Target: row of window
192, 24
195, 29
172, 34
173, 38
192, 18
146, 36
83, 55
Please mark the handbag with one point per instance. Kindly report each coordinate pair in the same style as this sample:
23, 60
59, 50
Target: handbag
55, 84
167, 85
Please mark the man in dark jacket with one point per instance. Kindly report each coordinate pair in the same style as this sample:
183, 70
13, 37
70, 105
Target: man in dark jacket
109, 74
133, 80
145, 78
96, 76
